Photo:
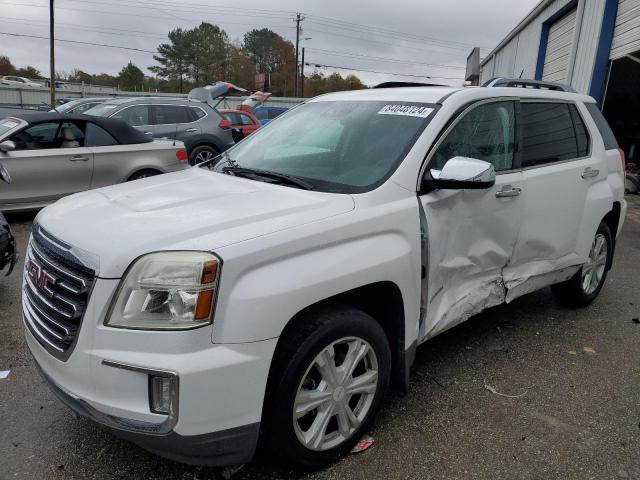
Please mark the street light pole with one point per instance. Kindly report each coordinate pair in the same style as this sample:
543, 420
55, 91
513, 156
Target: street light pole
52, 58
299, 18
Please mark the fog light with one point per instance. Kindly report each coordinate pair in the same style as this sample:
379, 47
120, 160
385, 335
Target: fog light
160, 394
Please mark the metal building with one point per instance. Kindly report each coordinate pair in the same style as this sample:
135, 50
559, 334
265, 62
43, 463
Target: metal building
592, 45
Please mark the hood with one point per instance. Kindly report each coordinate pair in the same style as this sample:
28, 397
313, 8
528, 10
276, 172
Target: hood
194, 209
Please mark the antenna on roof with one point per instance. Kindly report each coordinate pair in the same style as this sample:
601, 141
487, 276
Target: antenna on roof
175, 134
521, 73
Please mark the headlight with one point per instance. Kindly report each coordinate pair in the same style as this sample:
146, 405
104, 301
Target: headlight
167, 291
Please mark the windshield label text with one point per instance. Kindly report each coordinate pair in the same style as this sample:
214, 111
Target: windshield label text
406, 110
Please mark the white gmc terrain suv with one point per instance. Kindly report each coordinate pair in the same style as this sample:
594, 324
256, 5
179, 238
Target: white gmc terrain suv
278, 289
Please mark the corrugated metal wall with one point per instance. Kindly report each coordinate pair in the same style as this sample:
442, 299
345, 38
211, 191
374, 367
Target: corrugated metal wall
626, 35
520, 54
559, 48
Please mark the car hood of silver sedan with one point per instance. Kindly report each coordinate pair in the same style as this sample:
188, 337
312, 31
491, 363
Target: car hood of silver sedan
190, 210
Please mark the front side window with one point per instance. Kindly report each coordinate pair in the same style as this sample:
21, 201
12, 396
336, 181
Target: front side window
135, 116
42, 135
548, 134
485, 133
344, 147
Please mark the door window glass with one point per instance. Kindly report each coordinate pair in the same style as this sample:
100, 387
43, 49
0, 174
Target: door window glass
42, 135
582, 136
485, 133
98, 136
196, 113
548, 134
70, 136
233, 117
135, 116
246, 120
170, 114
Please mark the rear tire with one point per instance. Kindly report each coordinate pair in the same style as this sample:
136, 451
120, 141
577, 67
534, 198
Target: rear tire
582, 289
202, 153
315, 410
144, 174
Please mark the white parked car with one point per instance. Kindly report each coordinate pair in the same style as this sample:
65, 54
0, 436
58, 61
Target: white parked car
19, 82
278, 289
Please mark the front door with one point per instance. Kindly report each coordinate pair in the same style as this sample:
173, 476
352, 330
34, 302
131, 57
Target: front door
50, 161
471, 233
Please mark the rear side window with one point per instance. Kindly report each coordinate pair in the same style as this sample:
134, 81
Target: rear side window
98, 137
582, 135
608, 137
170, 114
196, 113
135, 116
548, 134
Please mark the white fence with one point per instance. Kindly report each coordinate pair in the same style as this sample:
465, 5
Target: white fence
32, 98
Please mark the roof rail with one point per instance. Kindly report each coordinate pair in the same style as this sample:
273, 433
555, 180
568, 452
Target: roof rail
527, 83
406, 84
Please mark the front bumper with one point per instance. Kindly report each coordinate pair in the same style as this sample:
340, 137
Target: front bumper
220, 387
232, 446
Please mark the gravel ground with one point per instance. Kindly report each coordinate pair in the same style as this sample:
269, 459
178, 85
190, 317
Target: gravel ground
579, 417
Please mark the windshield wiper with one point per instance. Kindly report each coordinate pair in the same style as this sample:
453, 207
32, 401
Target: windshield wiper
282, 177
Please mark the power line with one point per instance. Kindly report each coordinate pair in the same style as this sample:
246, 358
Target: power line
386, 59
77, 42
313, 64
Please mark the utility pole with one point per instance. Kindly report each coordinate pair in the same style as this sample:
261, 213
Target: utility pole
299, 18
52, 58
302, 75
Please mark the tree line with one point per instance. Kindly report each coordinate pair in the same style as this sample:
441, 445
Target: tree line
204, 54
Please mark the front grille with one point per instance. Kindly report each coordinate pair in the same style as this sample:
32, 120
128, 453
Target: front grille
55, 293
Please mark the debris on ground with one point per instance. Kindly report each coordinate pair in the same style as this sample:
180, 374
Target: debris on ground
589, 350
364, 443
4, 374
572, 352
635, 320
227, 472
493, 390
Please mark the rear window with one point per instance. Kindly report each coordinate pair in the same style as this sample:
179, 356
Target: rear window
608, 137
548, 134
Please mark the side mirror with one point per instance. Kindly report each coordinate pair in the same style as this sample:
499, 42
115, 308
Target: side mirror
463, 173
4, 175
7, 146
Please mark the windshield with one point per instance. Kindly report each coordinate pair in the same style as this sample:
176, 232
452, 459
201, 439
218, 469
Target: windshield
345, 147
7, 125
65, 107
100, 110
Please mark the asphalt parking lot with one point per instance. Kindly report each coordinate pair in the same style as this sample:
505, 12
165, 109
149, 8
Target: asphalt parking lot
576, 375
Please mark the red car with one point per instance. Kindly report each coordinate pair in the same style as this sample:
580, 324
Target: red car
245, 122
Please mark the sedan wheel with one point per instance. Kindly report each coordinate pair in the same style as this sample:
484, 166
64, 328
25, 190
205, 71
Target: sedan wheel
336, 394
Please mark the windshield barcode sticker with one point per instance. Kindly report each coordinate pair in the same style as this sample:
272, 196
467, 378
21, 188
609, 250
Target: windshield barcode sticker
406, 110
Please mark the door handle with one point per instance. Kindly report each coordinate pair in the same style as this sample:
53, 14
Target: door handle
79, 158
590, 172
148, 133
508, 191
191, 130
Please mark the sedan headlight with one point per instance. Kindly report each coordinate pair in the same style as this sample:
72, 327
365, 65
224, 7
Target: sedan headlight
167, 291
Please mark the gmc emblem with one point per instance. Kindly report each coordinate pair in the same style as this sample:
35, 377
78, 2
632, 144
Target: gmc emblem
40, 277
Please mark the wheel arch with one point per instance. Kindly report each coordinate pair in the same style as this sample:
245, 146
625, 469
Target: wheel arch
137, 170
382, 301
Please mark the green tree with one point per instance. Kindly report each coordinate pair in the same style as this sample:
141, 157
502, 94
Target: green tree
130, 77
6, 67
29, 72
274, 56
208, 53
172, 58
78, 76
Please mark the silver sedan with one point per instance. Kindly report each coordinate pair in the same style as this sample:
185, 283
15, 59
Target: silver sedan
50, 155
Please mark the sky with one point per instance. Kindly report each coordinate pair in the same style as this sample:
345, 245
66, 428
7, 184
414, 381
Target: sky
415, 40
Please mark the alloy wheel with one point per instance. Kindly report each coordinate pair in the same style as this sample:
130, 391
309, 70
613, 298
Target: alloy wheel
593, 270
335, 394
205, 156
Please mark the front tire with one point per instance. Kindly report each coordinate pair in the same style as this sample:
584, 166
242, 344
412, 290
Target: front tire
582, 289
326, 385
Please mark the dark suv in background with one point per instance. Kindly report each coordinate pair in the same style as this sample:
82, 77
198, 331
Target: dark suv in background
205, 132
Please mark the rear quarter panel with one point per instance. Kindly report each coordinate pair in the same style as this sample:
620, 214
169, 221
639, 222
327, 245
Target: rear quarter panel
115, 164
